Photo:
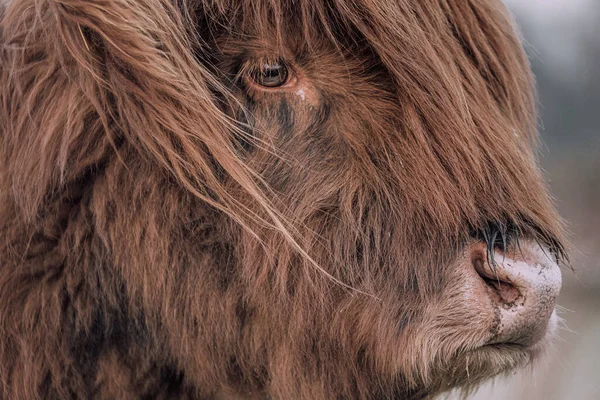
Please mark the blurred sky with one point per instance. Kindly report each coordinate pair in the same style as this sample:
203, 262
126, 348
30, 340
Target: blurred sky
550, 7
556, 27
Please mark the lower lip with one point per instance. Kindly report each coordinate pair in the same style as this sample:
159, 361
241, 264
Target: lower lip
533, 349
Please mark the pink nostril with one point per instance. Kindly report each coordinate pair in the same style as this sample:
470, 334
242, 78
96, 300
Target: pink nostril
522, 286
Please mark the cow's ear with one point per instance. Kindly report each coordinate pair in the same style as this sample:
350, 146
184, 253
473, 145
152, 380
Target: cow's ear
81, 79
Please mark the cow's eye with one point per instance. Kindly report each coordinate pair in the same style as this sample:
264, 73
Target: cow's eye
271, 74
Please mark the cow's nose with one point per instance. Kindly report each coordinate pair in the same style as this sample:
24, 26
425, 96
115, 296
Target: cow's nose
522, 285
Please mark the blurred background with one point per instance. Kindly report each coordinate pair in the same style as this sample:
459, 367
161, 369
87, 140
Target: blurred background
562, 39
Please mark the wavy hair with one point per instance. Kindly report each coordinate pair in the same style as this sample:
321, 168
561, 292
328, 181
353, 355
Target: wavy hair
139, 244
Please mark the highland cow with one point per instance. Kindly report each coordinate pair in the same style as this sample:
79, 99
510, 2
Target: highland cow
285, 199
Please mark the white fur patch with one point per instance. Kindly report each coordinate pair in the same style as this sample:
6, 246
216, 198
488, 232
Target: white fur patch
301, 93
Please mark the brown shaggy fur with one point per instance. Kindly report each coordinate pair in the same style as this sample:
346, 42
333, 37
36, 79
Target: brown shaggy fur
166, 231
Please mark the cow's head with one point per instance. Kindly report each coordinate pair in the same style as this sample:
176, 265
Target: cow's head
309, 198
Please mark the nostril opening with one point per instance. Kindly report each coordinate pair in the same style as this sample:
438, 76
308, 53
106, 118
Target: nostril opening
502, 289
506, 291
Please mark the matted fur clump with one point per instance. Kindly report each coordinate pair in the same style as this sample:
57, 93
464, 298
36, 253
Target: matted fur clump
175, 225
